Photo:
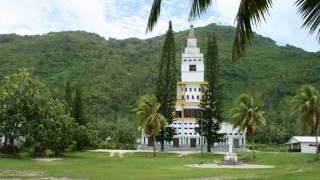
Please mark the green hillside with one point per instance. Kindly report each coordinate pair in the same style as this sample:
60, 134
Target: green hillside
114, 73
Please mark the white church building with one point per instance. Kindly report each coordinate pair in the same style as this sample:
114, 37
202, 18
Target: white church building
189, 93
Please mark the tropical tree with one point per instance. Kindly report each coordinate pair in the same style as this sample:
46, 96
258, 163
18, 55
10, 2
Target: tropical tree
250, 13
306, 105
248, 114
211, 102
149, 119
22, 101
166, 86
28, 110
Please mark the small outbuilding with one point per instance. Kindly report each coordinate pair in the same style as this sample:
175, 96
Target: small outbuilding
303, 144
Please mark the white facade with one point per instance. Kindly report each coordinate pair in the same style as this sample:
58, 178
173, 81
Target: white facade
189, 94
303, 144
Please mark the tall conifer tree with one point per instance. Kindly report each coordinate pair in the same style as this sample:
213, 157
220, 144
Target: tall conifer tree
166, 85
78, 111
68, 95
211, 102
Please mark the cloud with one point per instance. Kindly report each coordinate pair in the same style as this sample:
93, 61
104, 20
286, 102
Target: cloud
128, 18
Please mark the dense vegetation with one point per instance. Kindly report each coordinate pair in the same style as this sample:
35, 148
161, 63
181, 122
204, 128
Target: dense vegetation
114, 73
29, 114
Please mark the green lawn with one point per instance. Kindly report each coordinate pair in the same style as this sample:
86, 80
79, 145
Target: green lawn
89, 165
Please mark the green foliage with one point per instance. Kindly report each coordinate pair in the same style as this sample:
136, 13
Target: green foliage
121, 133
82, 137
306, 105
68, 96
61, 132
211, 102
148, 117
246, 114
166, 85
29, 110
78, 109
310, 11
125, 133
266, 147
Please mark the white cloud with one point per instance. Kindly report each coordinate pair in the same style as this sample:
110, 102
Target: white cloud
128, 18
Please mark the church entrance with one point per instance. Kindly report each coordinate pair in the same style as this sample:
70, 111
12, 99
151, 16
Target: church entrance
175, 142
193, 142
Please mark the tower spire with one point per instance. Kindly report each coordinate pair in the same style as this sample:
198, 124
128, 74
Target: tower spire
191, 32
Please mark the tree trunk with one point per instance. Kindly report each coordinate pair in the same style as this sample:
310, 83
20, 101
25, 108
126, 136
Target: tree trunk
154, 145
253, 146
162, 140
12, 148
208, 145
4, 149
316, 134
317, 146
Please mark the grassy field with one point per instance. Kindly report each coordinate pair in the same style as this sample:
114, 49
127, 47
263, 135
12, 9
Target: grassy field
90, 165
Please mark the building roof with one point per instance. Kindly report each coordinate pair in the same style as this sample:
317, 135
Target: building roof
302, 139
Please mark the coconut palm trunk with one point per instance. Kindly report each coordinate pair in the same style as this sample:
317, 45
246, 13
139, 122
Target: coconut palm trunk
253, 146
154, 145
316, 133
162, 140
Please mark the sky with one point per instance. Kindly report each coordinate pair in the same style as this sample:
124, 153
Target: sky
128, 18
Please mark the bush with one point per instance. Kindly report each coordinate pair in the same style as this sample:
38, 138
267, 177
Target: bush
265, 147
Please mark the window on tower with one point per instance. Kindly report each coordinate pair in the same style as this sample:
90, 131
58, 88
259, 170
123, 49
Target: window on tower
182, 96
192, 68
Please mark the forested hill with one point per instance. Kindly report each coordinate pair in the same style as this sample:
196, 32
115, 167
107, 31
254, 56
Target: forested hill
114, 73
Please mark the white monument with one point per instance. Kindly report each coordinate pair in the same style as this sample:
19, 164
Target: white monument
230, 157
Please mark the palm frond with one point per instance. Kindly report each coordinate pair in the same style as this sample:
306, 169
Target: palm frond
154, 15
198, 7
250, 12
304, 105
310, 11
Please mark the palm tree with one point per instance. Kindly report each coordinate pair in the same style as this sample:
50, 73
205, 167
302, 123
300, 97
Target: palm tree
149, 119
250, 13
306, 105
247, 114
